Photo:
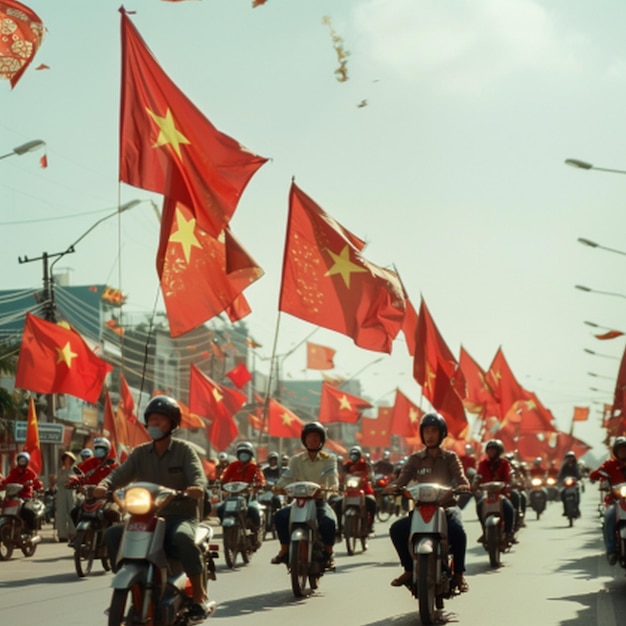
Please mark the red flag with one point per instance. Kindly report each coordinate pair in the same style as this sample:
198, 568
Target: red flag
409, 326
581, 414
168, 146
217, 404
32, 439
338, 406
327, 282
448, 402
257, 422
376, 433
319, 357
611, 334
282, 422
619, 398
479, 398
239, 375
54, 359
529, 416
22, 34
405, 416
201, 276
503, 383
108, 424
43, 161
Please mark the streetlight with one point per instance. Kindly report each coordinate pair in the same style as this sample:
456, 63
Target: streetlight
29, 146
606, 356
593, 244
606, 293
583, 165
599, 376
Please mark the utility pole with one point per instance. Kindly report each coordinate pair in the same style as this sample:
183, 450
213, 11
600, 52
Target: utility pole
48, 454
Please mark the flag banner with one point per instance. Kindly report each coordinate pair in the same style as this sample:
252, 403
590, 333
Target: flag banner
581, 414
239, 375
479, 398
405, 416
339, 406
168, 146
504, 385
376, 433
56, 359
611, 334
319, 357
327, 282
32, 445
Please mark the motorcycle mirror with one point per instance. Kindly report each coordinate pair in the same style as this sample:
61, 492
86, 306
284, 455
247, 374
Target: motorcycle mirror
77, 470
109, 461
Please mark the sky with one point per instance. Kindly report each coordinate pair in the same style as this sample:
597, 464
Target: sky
453, 172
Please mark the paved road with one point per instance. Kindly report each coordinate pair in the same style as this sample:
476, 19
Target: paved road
555, 576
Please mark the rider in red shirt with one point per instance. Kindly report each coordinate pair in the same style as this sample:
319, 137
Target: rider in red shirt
358, 465
25, 476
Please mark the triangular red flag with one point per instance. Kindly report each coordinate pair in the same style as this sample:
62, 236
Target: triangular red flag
32, 445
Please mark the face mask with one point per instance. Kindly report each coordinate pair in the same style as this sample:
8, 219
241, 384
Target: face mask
244, 457
22, 462
354, 457
155, 433
100, 453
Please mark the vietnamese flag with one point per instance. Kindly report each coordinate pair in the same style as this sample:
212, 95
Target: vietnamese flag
581, 414
109, 425
405, 416
282, 422
327, 282
339, 406
216, 403
619, 397
201, 276
55, 359
409, 326
168, 146
31, 444
479, 398
319, 357
505, 387
376, 433
239, 375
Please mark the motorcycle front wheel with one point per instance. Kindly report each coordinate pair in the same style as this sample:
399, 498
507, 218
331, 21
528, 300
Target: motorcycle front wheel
29, 548
117, 610
383, 510
352, 531
299, 566
6, 541
84, 551
230, 539
426, 588
493, 545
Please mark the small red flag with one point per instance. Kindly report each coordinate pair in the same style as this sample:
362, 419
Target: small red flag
109, 426
319, 357
32, 445
239, 375
339, 406
326, 280
405, 416
611, 334
54, 359
376, 433
581, 414
168, 146
43, 161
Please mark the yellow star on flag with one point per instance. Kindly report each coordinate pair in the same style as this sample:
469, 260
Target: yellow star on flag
344, 403
343, 265
217, 396
65, 355
168, 133
287, 419
413, 415
185, 234
430, 375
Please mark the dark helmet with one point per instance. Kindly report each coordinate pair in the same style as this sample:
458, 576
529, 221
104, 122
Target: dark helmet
497, 444
434, 419
273, 456
620, 442
163, 405
313, 427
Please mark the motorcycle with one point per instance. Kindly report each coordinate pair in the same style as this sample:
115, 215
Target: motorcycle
356, 522
269, 503
538, 496
571, 497
156, 585
306, 563
92, 522
493, 517
619, 497
385, 503
432, 581
13, 530
552, 489
237, 536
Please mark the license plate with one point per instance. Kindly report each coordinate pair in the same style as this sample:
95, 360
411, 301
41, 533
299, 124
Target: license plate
231, 505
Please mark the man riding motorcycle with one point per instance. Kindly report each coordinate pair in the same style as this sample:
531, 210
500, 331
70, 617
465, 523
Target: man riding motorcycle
614, 471
495, 468
384, 465
24, 475
433, 464
175, 464
537, 470
319, 467
244, 469
569, 469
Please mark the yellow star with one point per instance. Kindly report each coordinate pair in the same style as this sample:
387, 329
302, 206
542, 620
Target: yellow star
344, 403
413, 415
497, 375
287, 419
343, 265
217, 396
185, 234
168, 133
430, 375
65, 355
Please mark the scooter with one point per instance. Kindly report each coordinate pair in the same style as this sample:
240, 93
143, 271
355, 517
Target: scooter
432, 581
13, 530
538, 496
385, 504
493, 516
571, 497
149, 587
618, 493
269, 503
356, 523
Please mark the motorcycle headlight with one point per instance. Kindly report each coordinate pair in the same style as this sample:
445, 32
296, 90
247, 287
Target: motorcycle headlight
535, 482
138, 501
622, 491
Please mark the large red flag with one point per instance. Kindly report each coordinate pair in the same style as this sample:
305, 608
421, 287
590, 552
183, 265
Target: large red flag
168, 146
409, 326
619, 397
504, 384
479, 398
405, 416
108, 424
376, 433
319, 357
31, 444
22, 34
448, 402
339, 406
282, 421
201, 276
55, 359
326, 280
529, 416
217, 404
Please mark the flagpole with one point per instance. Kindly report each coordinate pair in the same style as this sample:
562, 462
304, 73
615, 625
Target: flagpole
268, 390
